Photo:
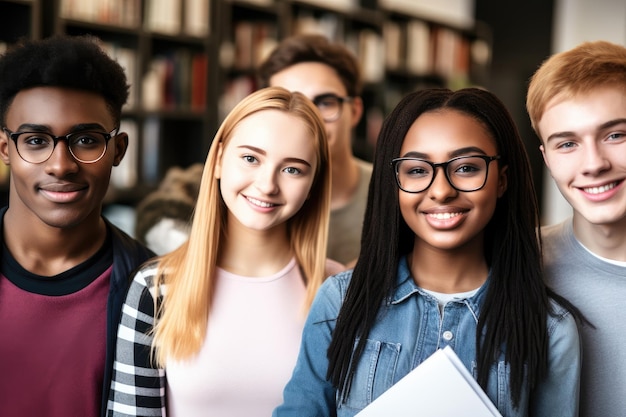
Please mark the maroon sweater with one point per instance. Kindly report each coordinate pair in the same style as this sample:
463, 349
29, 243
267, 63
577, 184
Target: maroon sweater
53, 339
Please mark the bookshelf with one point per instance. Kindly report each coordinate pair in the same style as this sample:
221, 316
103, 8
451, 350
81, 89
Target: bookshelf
166, 48
190, 61
24, 23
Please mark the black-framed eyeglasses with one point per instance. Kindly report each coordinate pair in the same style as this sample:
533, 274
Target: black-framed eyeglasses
464, 173
85, 146
330, 105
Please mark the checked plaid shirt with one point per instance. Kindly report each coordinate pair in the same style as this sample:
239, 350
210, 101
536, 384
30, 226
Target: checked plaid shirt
137, 386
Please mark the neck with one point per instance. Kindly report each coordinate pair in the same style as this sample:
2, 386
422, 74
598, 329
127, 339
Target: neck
254, 253
345, 181
447, 271
46, 250
605, 240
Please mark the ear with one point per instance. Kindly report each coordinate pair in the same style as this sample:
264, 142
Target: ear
543, 154
502, 180
218, 165
4, 148
357, 110
121, 144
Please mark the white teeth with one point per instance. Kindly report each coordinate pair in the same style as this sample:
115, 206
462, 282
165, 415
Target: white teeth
260, 203
598, 190
444, 216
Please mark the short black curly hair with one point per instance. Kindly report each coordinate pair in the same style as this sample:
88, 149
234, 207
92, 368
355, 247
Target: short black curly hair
76, 62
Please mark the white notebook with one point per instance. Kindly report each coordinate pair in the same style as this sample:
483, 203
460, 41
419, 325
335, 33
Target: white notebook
440, 386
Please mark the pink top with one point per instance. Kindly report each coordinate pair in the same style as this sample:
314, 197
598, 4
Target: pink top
252, 343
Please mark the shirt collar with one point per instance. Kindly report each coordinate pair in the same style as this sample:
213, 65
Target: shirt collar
406, 287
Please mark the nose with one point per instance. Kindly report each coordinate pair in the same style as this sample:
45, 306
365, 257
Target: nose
595, 160
441, 189
61, 162
266, 181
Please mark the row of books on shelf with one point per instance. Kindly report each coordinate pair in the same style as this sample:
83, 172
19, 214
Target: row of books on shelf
176, 81
173, 81
127, 58
188, 17
420, 48
125, 175
143, 145
414, 47
253, 40
125, 13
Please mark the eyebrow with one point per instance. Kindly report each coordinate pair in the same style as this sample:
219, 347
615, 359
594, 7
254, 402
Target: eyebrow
453, 154
606, 125
32, 127
263, 152
324, 95
612, 123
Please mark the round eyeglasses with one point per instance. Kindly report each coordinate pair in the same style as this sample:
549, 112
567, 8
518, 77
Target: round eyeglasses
330, 106
37, 147
464, 173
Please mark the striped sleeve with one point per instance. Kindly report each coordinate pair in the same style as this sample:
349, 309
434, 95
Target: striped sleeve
137, 385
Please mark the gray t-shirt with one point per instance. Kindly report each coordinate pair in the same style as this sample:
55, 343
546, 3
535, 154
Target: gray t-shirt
346, 223
598, 289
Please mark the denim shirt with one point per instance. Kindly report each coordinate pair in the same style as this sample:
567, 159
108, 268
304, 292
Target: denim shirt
408, 330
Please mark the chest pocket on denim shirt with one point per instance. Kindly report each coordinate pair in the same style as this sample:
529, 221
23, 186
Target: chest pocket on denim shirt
374, 374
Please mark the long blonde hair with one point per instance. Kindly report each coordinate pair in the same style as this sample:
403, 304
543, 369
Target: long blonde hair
189, 272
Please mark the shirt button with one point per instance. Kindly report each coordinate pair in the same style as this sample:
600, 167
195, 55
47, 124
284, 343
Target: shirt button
447, 335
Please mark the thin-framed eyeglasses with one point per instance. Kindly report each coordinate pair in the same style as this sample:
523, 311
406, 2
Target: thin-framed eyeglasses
330, 105
464, 173
86, 146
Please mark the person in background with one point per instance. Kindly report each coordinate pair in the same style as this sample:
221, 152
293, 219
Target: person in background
329, 74
214, 327
65, 269
450, 257
577, 105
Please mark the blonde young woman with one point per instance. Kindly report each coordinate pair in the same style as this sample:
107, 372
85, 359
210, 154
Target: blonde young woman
214, 327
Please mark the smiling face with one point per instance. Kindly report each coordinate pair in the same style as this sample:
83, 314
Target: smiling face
441, 217
266, 169
60, 192
584, 147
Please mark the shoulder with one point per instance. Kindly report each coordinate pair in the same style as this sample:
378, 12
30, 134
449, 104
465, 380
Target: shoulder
124, 245
146, 274
336, 286
333, 267
329, 298
554, 234
560, 319
142, 288
559, 244
144, 279
564, 340
365, 167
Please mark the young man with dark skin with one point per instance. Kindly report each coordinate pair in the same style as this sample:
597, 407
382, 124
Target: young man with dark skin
64, 269
577, 105
329, 74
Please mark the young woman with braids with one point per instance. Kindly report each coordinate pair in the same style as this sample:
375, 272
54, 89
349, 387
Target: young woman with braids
449, 257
